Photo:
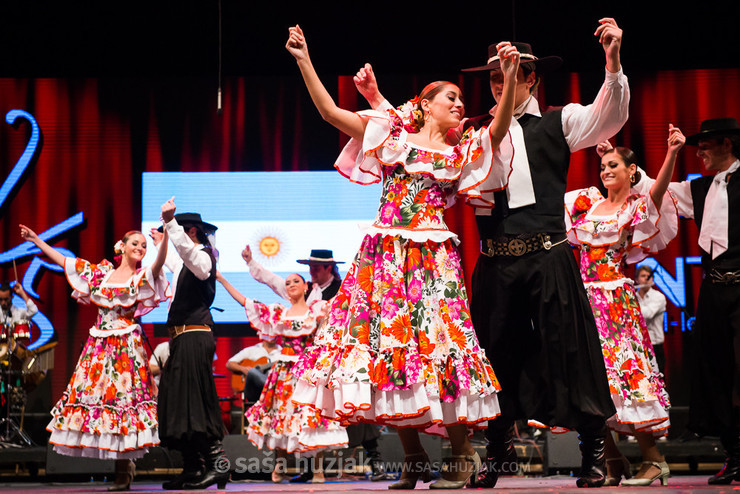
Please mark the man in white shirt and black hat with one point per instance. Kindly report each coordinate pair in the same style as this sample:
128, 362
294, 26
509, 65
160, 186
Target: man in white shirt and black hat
713, 201
187, 406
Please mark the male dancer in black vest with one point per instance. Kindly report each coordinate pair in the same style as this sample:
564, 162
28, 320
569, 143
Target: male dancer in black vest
714, 203
528, 305
188, 407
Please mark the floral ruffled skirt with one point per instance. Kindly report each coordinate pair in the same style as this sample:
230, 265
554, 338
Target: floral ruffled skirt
108, 409
276, 422
398, 346
635, 383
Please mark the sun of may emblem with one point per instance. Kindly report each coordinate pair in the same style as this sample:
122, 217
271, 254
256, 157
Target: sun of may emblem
269, 246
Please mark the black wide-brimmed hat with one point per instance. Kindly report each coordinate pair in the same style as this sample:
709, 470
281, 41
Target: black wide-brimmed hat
712, 128
320, 256
193, 219
544, 64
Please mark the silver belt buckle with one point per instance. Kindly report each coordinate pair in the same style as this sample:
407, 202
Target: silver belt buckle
517, 247
546, 242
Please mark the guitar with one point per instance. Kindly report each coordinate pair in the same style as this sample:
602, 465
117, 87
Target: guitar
239, 380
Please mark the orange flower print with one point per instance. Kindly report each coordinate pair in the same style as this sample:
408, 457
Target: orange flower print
401, 328
583, 203
426, 347
110, 393
605, 272
457, 336
365, 278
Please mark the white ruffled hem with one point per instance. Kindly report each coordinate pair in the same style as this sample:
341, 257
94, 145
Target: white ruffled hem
420, 236
103, 446
644, 416
104, 333
609, 285
359, 402
307, 444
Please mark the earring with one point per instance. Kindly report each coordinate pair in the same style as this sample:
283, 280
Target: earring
632, 178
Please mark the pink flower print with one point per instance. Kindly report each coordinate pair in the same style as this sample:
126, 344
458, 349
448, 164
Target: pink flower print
397, 187
455, 306
414, 291
389, 212
390, 308
435, 197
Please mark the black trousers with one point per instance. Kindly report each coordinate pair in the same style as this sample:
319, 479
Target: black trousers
714, 406
188, 407
533, 317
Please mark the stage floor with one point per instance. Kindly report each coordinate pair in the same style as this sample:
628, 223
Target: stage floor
555, 484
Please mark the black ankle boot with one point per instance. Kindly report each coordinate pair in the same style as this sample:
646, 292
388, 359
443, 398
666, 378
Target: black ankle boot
217, 469
500, 459
377, 467
192, 469
731, 470
593, 460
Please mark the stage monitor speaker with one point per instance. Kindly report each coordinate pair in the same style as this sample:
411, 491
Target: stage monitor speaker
562, 452
57, 464
391, 450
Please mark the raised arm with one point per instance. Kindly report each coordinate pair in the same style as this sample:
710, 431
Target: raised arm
509, 57
264, 275
676, 140
235, 294
48, 250
367, 86
344, 120
610, 37
161, 254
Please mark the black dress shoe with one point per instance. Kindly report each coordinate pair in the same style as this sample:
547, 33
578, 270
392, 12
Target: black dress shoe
217, 468
593, 461
731, 470
500, 460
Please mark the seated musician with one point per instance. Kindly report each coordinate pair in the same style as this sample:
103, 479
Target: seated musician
254, 362
12, 315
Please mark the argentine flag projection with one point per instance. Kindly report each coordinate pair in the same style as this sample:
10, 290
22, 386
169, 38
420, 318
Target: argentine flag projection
280, 215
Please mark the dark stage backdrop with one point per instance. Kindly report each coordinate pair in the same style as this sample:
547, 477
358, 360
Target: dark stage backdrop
99, 135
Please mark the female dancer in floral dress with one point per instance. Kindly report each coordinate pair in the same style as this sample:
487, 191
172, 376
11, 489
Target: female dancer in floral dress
275, 421
636, 218
398, 347
108, 409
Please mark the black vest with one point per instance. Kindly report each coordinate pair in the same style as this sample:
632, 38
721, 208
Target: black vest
730, 259
331, 290
549, 159
193, 297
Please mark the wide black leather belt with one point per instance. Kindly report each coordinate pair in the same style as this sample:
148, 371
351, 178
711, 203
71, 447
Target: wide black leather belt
518, 245
176, 331
724, 277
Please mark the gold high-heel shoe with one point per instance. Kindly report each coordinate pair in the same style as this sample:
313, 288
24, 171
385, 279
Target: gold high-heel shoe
613, 481
415, 467
444, 483
663, 475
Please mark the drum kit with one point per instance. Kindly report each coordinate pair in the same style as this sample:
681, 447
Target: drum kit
21, 370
